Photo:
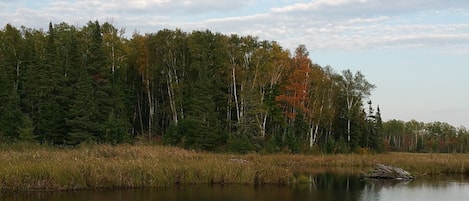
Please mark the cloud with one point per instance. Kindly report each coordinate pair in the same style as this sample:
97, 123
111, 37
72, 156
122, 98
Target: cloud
353, 24
320, 24
213, 5
348, 8
158, 7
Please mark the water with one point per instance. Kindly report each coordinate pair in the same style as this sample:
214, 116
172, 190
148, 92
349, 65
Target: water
323, 187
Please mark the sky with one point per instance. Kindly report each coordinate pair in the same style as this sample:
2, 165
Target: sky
416, 52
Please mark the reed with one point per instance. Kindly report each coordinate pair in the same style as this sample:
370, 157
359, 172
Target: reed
144, 166
417, 163
128, 166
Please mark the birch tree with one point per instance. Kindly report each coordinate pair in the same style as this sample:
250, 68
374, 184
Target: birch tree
356, 89
170, 51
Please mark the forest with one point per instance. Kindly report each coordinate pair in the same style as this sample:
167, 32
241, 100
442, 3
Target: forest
201, 90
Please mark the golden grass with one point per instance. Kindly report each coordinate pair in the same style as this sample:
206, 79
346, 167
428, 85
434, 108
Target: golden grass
416, 163
140, 166
127, 166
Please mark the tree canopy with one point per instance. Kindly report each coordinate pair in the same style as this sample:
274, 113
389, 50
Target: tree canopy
199, 90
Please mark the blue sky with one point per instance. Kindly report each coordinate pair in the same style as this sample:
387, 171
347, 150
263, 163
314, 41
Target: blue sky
415, 51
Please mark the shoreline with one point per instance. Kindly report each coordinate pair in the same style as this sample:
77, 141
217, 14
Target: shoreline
144, 166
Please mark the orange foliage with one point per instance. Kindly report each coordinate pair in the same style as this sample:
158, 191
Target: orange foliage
294, 94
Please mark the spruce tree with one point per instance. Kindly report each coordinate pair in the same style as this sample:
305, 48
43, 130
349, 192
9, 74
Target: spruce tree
51, 107
10, 118
378, 137
107, 93
81, 119
202, 126
26, 131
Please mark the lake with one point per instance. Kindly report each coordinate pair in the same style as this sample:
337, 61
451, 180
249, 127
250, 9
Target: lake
324, 187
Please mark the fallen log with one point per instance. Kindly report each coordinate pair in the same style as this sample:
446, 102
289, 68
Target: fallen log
381, 171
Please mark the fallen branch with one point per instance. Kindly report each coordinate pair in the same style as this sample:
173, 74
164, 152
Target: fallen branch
381, 171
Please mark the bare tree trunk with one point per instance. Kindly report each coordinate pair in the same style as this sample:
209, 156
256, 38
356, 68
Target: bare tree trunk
170, 61
172, 103
113, 67
311, 136
151, 110
228, 115
18, 63
350, 103
235, 94
113, 52
314, 133
139, 105
264, 122
348, 129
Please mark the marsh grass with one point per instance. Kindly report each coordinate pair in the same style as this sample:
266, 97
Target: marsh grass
143, 166
128, 166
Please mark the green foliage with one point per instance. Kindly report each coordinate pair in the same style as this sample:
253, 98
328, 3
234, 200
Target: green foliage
10, 118
425, 137
116, 129
199, 90
240, 144
26, 133
173, 135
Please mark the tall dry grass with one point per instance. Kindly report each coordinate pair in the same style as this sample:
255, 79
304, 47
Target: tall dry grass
140, 166
128, 166
416, 163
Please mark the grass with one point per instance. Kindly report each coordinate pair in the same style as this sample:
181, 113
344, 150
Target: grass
127, 166
144, 166
417, 163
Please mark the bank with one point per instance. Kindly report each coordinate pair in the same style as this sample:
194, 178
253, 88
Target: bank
25, 168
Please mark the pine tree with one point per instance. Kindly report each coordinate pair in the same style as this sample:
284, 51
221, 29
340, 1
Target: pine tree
10, 118
49, 114
107, 112
81, 119
101, 88
378, 137
201, 126
204, 101
26, 131
11, 58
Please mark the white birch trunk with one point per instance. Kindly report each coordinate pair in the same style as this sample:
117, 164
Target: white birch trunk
172, 103
152, 109
312, 138
235, 93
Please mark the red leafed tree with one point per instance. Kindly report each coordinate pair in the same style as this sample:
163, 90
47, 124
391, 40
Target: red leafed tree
294, 94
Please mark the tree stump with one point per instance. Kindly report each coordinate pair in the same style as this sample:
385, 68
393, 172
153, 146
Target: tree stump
381, 171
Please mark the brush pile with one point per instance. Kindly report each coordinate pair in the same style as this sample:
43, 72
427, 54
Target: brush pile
381, 171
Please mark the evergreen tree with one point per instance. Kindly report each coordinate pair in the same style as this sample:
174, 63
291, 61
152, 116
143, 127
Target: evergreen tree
50, 121
26, 131
201, 128
11, 58
202, 104
10, 118
377, 140
81, 119
72, 85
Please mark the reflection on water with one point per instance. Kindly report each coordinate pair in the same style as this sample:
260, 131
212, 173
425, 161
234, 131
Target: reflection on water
428, 189
322, 187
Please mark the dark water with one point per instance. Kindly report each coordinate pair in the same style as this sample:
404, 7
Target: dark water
323, 187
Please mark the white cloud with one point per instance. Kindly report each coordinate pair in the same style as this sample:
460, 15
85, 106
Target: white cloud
313, 5
213, 5
320, 24
351, 24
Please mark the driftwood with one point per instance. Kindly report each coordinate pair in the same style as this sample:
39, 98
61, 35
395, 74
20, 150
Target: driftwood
381, 171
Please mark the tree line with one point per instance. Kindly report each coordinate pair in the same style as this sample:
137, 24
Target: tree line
434, 137
199, 90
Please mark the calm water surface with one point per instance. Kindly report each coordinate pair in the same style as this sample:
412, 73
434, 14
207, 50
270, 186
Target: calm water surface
323, 187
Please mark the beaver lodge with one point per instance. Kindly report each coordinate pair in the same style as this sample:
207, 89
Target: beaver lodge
381, 171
